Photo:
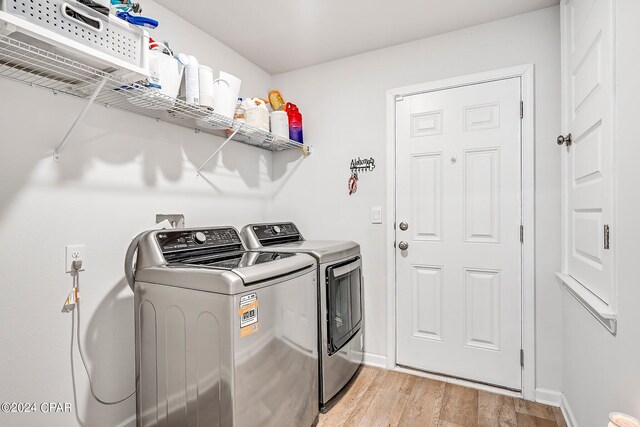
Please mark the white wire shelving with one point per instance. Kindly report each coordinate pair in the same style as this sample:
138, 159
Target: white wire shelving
28, 64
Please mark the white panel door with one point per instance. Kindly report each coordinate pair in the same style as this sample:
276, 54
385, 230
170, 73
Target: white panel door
588, 81
458, 188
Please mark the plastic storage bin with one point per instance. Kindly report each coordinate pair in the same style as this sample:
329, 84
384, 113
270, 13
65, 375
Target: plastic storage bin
124, 44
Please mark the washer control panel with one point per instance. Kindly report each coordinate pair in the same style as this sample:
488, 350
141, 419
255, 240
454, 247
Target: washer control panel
185, 239
280, 231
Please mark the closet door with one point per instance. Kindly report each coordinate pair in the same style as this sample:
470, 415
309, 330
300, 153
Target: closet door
588, 85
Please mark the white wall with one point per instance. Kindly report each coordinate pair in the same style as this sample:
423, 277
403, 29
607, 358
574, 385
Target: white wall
116, 173
343, 106
601, 372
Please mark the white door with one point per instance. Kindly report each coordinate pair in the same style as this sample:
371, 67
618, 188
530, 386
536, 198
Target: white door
588, 80
458, 187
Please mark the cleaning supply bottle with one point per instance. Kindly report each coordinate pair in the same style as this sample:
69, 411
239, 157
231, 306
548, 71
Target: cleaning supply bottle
295, 122
256, 113
192, 81
240, 114
276, 101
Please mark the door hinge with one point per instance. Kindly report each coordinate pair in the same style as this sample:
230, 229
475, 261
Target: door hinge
521, 358
606, 236
394, 225
394, 244
399, 98
521, 233
521, 109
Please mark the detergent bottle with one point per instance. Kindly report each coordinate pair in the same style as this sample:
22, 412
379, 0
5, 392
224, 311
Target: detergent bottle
256, 113
295, 122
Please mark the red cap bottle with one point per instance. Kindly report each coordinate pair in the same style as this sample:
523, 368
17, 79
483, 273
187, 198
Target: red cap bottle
295, 122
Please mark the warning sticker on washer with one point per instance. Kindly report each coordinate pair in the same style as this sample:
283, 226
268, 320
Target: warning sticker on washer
248, 312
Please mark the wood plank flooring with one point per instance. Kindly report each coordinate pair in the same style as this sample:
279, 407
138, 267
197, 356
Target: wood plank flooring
381, 398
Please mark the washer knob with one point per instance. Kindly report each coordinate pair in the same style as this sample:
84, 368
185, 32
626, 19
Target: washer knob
277, 229
200, 237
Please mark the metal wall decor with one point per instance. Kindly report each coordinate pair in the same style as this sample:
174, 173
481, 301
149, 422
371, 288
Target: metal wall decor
359, 165
363, 165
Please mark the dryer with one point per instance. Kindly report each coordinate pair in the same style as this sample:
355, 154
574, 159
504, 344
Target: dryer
224, 337
340, 298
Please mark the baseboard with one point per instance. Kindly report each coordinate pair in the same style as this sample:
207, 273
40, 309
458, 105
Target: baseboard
549, 397
129, 422
569, 418
376, 360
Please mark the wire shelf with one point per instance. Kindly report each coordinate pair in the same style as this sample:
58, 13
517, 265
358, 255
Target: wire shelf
28, 64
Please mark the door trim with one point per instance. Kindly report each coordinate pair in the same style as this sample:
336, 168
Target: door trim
526, 74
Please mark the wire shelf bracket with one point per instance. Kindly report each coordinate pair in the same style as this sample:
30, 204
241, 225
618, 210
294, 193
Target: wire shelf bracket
215, 153
92, 98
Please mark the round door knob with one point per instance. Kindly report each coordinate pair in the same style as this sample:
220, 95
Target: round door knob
564, 140
200, 237
404, 226
403, 245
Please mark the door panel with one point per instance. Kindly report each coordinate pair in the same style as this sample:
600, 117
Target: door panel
588, 115
481, 195
427, 196
427, 302
458, 187
482, 308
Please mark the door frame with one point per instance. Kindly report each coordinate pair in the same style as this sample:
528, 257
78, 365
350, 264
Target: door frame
526, 74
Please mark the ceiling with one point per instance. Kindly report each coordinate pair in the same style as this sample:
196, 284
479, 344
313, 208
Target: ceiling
284, 35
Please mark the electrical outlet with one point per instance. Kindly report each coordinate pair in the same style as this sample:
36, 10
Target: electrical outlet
74, 253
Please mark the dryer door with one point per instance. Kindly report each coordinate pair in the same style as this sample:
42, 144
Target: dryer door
344, 302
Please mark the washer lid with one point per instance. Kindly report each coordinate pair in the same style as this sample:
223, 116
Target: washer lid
211, 259
232, 276
285, 237
322, 250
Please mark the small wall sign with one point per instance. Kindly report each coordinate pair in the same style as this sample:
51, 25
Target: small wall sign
363, 165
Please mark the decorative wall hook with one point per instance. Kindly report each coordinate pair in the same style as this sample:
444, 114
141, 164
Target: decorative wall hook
363, 165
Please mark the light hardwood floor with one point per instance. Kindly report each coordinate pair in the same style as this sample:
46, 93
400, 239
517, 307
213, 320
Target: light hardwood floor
378, 397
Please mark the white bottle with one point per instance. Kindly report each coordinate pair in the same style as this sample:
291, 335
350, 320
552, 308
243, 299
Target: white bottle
257, 113
280, 124
192, 81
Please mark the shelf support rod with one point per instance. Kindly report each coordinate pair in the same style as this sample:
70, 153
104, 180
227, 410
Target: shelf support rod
206, 162
94, 95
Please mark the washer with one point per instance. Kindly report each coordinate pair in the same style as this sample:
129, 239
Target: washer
340, 298
224, 337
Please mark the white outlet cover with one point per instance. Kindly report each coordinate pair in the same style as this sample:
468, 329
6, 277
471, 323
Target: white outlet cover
376, 215
73, 253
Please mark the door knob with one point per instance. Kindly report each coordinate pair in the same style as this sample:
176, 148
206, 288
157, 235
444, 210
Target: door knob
564, 139
404, 226
403, 245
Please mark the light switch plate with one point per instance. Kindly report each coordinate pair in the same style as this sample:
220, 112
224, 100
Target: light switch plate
376, 215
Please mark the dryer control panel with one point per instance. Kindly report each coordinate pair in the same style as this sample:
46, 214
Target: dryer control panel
199, 239
278, 233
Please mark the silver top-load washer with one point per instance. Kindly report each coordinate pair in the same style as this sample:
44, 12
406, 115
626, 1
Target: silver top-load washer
224, 337
340, 298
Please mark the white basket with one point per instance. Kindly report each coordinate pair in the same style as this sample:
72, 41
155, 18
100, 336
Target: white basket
127, 44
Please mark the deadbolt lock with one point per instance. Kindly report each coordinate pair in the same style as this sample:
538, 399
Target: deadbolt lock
404, 226
403, 245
